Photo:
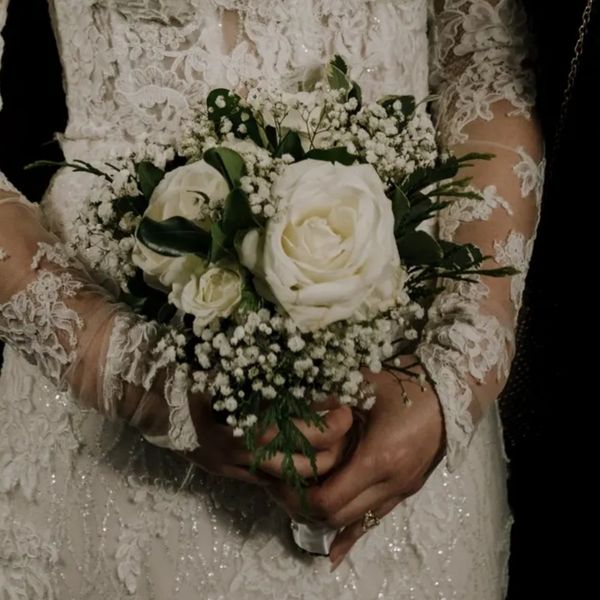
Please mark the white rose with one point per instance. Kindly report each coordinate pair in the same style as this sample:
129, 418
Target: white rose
179, 194
329, 254
163, 271
214, 294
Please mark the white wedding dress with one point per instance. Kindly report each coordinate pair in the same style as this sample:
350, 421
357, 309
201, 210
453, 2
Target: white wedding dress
88, 510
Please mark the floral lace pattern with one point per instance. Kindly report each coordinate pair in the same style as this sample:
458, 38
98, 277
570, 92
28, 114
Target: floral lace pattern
466, 210
136, 355
35, 318
462, 342
515, 251
96, 512
480, 47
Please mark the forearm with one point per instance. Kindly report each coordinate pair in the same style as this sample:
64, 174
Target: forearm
470, 337
57, 317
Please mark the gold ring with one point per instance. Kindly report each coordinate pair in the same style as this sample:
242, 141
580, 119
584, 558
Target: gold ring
370, 520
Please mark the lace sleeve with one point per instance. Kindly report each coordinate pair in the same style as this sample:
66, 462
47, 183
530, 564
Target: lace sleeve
59, 319
484, 102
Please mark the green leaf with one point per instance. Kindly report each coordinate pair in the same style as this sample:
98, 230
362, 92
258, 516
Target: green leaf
472, 156
339, 63
135, 302
334, 155
400, 207
499, 272
420, 209
137, 285
218, 243
230, 107
422, 178
134, 204
460, 256
79, 166
165, 313
237, 114
237, 213
338, 80
149, 176
356, 92
291, 144
250, 301
255, 132
228, 162
419, 248
174, 237
271, 134
408, 104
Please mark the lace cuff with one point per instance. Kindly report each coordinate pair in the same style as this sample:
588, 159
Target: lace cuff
139, 357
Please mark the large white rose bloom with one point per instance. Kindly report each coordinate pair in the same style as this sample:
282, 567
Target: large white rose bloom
329, 253
179, 194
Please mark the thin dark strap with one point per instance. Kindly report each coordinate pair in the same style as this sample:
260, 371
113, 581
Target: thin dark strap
572, 78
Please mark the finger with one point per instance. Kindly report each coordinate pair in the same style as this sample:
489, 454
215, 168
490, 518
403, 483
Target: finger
329, 403
376, 495
289, 499
350, 481
325, 461
346, 539
241, 474
223, 437
336, 423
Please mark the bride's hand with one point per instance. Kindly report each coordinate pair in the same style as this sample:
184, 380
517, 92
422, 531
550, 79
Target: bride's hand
331, 443
401, 444
223, 454
220, 453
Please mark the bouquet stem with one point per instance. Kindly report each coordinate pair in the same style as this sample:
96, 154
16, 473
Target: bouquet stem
314, 538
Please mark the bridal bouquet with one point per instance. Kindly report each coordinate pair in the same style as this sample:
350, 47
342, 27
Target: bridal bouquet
283, 241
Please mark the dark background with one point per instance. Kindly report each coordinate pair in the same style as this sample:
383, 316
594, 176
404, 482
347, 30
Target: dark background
549, 397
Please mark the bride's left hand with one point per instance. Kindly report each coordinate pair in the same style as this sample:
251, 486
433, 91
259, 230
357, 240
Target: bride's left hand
401, 445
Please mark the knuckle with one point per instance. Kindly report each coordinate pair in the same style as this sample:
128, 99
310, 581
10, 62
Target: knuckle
413, 487
368, 463
324, 504
340, 421
335, 521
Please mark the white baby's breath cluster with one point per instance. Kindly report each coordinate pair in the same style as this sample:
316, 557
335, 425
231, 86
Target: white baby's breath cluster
105, 235
312, 114
394, 145
262, 168
265, 357
104, 239
262, 171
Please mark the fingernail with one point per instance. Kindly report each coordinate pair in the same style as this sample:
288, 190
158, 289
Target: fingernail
336, 563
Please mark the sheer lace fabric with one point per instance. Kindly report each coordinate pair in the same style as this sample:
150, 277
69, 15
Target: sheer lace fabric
485, 103
88, 509
60, 320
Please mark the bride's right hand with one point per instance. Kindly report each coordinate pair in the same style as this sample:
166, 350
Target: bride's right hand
219, 453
